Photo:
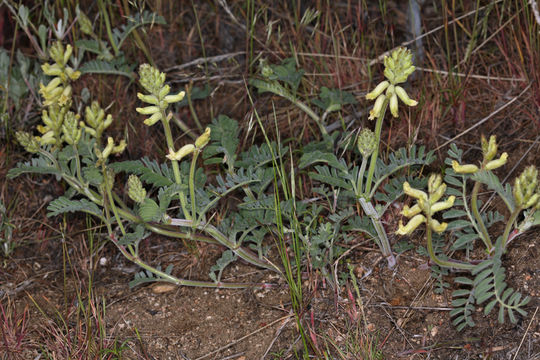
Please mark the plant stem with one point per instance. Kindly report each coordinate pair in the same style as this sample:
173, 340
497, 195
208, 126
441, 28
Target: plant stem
191, 108
360, 180
509, 226
192, 186
375, 154
216, 234
436, 260
176, 167
382, 238
103, 11
173, 279
474, 207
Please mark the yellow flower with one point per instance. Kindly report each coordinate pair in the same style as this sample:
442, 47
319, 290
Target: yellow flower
411, 211
417, 194
378, 90
184, 151
411, 225
464, 169
493, 164
376, 111
443, 205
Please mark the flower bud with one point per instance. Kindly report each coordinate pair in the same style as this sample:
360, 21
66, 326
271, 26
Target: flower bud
266, 71
57, 52
398, 66
367, 142
489, 149
108, 149
437, 194
464, 169
136, 191
53, 84
85, 25
526, 188
164, 91
118, 149
52, 70
72, 74
67, 54
184, 151
532, 201
203, 139
151, 79
65, 97
149, 110
70, 129
29, 142
435, 180
47, 138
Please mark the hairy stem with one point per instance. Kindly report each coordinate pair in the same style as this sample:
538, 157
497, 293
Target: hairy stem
382, 238
474, 207
360, 180
175, 164
435, 259
375, 154
509, 226
192, 186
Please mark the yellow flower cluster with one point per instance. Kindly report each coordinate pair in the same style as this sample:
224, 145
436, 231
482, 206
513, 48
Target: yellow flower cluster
159, 99
58, 90
398, 67
489, 150
426, 205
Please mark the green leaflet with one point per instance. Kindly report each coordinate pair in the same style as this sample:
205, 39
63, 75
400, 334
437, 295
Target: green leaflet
149, 171
333, 99
317, 156
113, 67
217, 270
34, 166
492, 181
64, 205
149, 210
223, 140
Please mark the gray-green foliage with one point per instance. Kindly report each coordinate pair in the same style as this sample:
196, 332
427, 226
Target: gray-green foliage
486, 285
